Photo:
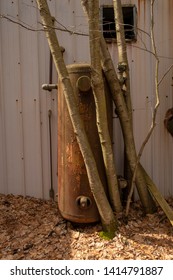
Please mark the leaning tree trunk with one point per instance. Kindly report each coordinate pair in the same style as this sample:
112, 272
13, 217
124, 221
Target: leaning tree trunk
127, 127
100, 103
125, 118
105, 211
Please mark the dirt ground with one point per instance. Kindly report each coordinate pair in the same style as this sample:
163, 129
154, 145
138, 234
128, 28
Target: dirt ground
32, 228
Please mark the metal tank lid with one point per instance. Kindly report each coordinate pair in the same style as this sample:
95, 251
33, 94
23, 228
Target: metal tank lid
79, 68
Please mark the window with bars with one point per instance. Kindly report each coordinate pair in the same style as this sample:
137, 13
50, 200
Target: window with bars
108, 22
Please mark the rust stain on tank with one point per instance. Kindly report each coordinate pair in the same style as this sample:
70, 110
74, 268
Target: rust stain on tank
74, 159
75, 200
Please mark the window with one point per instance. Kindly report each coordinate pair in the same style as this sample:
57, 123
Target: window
108, 22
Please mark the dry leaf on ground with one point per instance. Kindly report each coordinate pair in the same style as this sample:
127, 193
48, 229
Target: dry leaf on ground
32, 228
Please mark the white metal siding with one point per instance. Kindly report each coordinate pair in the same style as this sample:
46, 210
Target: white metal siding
24, 106
22, 142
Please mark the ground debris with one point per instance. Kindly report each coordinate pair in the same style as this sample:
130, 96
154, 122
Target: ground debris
32, 228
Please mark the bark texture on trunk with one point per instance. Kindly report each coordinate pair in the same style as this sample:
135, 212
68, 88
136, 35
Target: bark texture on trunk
105, 211
100, 102
127, 125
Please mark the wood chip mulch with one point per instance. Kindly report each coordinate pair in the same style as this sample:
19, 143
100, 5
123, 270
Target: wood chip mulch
32, 228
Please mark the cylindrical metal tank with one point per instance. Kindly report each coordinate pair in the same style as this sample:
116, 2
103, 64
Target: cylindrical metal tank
75, 200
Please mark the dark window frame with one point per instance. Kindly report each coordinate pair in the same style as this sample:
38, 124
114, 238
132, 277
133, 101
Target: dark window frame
108, 23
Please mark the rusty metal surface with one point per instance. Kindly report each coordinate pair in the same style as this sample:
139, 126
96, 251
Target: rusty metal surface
75, 199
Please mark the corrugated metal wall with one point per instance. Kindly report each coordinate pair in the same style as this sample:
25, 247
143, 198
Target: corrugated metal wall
158, 155
24, 164
24, 106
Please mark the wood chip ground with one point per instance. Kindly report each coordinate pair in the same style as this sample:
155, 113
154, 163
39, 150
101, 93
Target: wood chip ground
32, 228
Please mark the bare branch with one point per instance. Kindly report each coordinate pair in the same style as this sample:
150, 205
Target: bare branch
165, 74
29, 28
72, 32
19, 23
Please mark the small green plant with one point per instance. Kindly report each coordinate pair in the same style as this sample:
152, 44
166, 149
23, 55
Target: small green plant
107, 235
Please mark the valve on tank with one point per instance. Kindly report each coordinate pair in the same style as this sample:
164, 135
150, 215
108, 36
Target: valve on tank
83, 202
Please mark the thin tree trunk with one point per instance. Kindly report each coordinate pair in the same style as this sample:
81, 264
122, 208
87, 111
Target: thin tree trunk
123, 74
107, 216
128, 126
100, 102
123, 65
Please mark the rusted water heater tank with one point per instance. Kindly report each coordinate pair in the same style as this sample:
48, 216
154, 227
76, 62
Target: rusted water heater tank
75, 200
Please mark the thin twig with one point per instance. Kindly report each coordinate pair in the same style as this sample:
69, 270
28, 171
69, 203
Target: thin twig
165, 74
29, 28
